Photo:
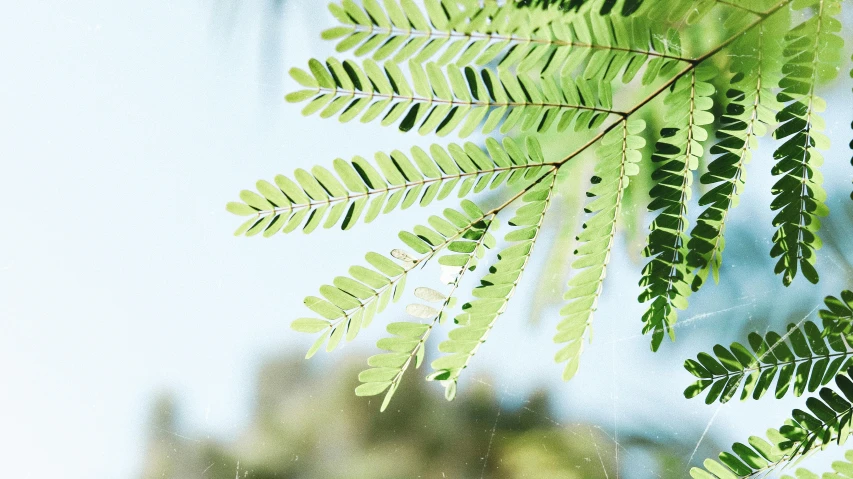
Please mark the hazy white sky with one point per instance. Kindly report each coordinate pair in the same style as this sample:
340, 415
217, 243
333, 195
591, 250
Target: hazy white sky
126, 127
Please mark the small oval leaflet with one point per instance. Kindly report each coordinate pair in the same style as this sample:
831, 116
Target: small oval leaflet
309, 325
402, 255
430, 295
421, 311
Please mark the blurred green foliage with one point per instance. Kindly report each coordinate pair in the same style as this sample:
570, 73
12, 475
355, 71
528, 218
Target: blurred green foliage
307, 424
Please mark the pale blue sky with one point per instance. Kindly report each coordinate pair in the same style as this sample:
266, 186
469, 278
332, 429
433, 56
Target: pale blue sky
127, 126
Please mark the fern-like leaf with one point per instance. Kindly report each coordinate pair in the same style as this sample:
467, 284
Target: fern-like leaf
352, 301
496, 288
664, 280
806, 357
440, 100
752, 106
618, 159
540, 40
799, 195
828, 420
810, 357
409, 338
358, 190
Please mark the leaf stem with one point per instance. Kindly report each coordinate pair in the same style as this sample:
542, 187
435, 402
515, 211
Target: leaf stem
392, 188
394, 31
457, 102
763, 367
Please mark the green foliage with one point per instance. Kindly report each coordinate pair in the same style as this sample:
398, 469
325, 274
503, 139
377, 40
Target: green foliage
828, 420
800, 199
466, 237
806, 357
568, 78
618, 156
351, 302
464, 32
359, 190
750, 110
496, 288
440, 100
299, 413
677, 154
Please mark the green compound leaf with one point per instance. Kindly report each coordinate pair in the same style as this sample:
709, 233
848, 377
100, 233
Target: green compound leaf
351, 302
618, 158
665, 277
751, 108
802, 359
800, 198
362, 190
536, 69
409, 339
441, 99
827, 419
466, 32
496, 288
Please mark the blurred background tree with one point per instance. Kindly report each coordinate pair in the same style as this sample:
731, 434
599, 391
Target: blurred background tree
307, 424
